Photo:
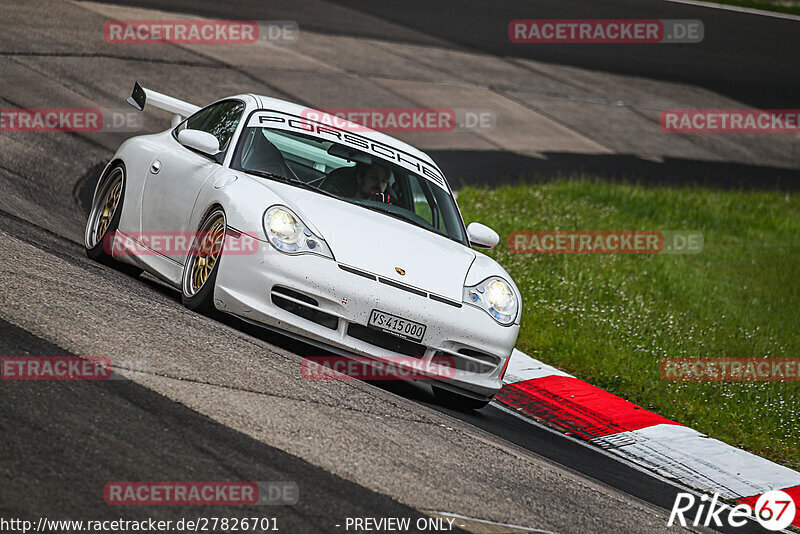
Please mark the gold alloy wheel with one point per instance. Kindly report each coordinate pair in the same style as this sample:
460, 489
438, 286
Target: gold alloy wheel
112, 199
208, 251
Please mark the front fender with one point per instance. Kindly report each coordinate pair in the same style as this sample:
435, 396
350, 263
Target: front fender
243, 199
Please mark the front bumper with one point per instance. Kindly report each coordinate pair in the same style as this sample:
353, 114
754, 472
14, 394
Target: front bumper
330, 304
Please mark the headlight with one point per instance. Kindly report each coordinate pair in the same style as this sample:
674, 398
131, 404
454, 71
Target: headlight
496, 296
287, 233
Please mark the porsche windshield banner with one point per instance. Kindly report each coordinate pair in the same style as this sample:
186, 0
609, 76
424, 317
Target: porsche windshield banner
327, 132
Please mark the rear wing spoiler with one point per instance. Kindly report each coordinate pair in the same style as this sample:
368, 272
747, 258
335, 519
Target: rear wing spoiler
179, 109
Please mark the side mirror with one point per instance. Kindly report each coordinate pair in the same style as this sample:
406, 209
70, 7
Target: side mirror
482, 236
202, 141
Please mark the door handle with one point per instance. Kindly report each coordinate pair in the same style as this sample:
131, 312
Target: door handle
155, 166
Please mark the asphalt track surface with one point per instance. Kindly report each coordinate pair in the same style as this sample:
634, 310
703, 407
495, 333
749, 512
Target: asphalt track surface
751, 58
63, 440
60, 442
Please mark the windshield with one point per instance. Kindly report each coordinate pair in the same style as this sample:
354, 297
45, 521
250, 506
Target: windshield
350, 175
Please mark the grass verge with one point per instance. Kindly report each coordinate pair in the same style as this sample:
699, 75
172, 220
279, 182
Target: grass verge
610, 319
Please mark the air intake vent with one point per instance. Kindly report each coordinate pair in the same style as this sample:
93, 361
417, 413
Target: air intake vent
386, 341
302, 310
487, 363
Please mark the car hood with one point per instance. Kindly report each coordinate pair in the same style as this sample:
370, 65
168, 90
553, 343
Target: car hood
378, 243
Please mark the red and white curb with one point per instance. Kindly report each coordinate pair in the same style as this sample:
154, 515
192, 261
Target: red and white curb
641, 436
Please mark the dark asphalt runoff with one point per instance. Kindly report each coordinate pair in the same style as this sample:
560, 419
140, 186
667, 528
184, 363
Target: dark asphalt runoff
61, 442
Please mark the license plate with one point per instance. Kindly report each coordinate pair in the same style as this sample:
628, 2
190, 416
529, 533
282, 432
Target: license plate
391, 324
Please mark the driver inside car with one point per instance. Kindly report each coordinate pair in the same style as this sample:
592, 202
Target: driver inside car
371, 183
361, 182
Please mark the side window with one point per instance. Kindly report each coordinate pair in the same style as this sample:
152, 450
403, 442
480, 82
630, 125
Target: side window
421, 206
425, 202
218, 119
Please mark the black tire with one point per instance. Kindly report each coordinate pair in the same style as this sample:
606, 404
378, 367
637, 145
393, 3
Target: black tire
201, 299
457, 401
95, 244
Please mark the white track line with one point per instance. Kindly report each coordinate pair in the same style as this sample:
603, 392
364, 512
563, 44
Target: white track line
701, 461
595, 448
676, 451
522, 368
737, 9
674, 483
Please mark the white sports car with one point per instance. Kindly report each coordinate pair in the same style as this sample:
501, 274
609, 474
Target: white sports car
352, 239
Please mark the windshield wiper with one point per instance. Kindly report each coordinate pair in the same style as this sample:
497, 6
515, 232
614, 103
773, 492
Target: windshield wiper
396, 215
267, 174
286, 179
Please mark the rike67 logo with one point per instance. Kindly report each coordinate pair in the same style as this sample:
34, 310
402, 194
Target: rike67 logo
774, 510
